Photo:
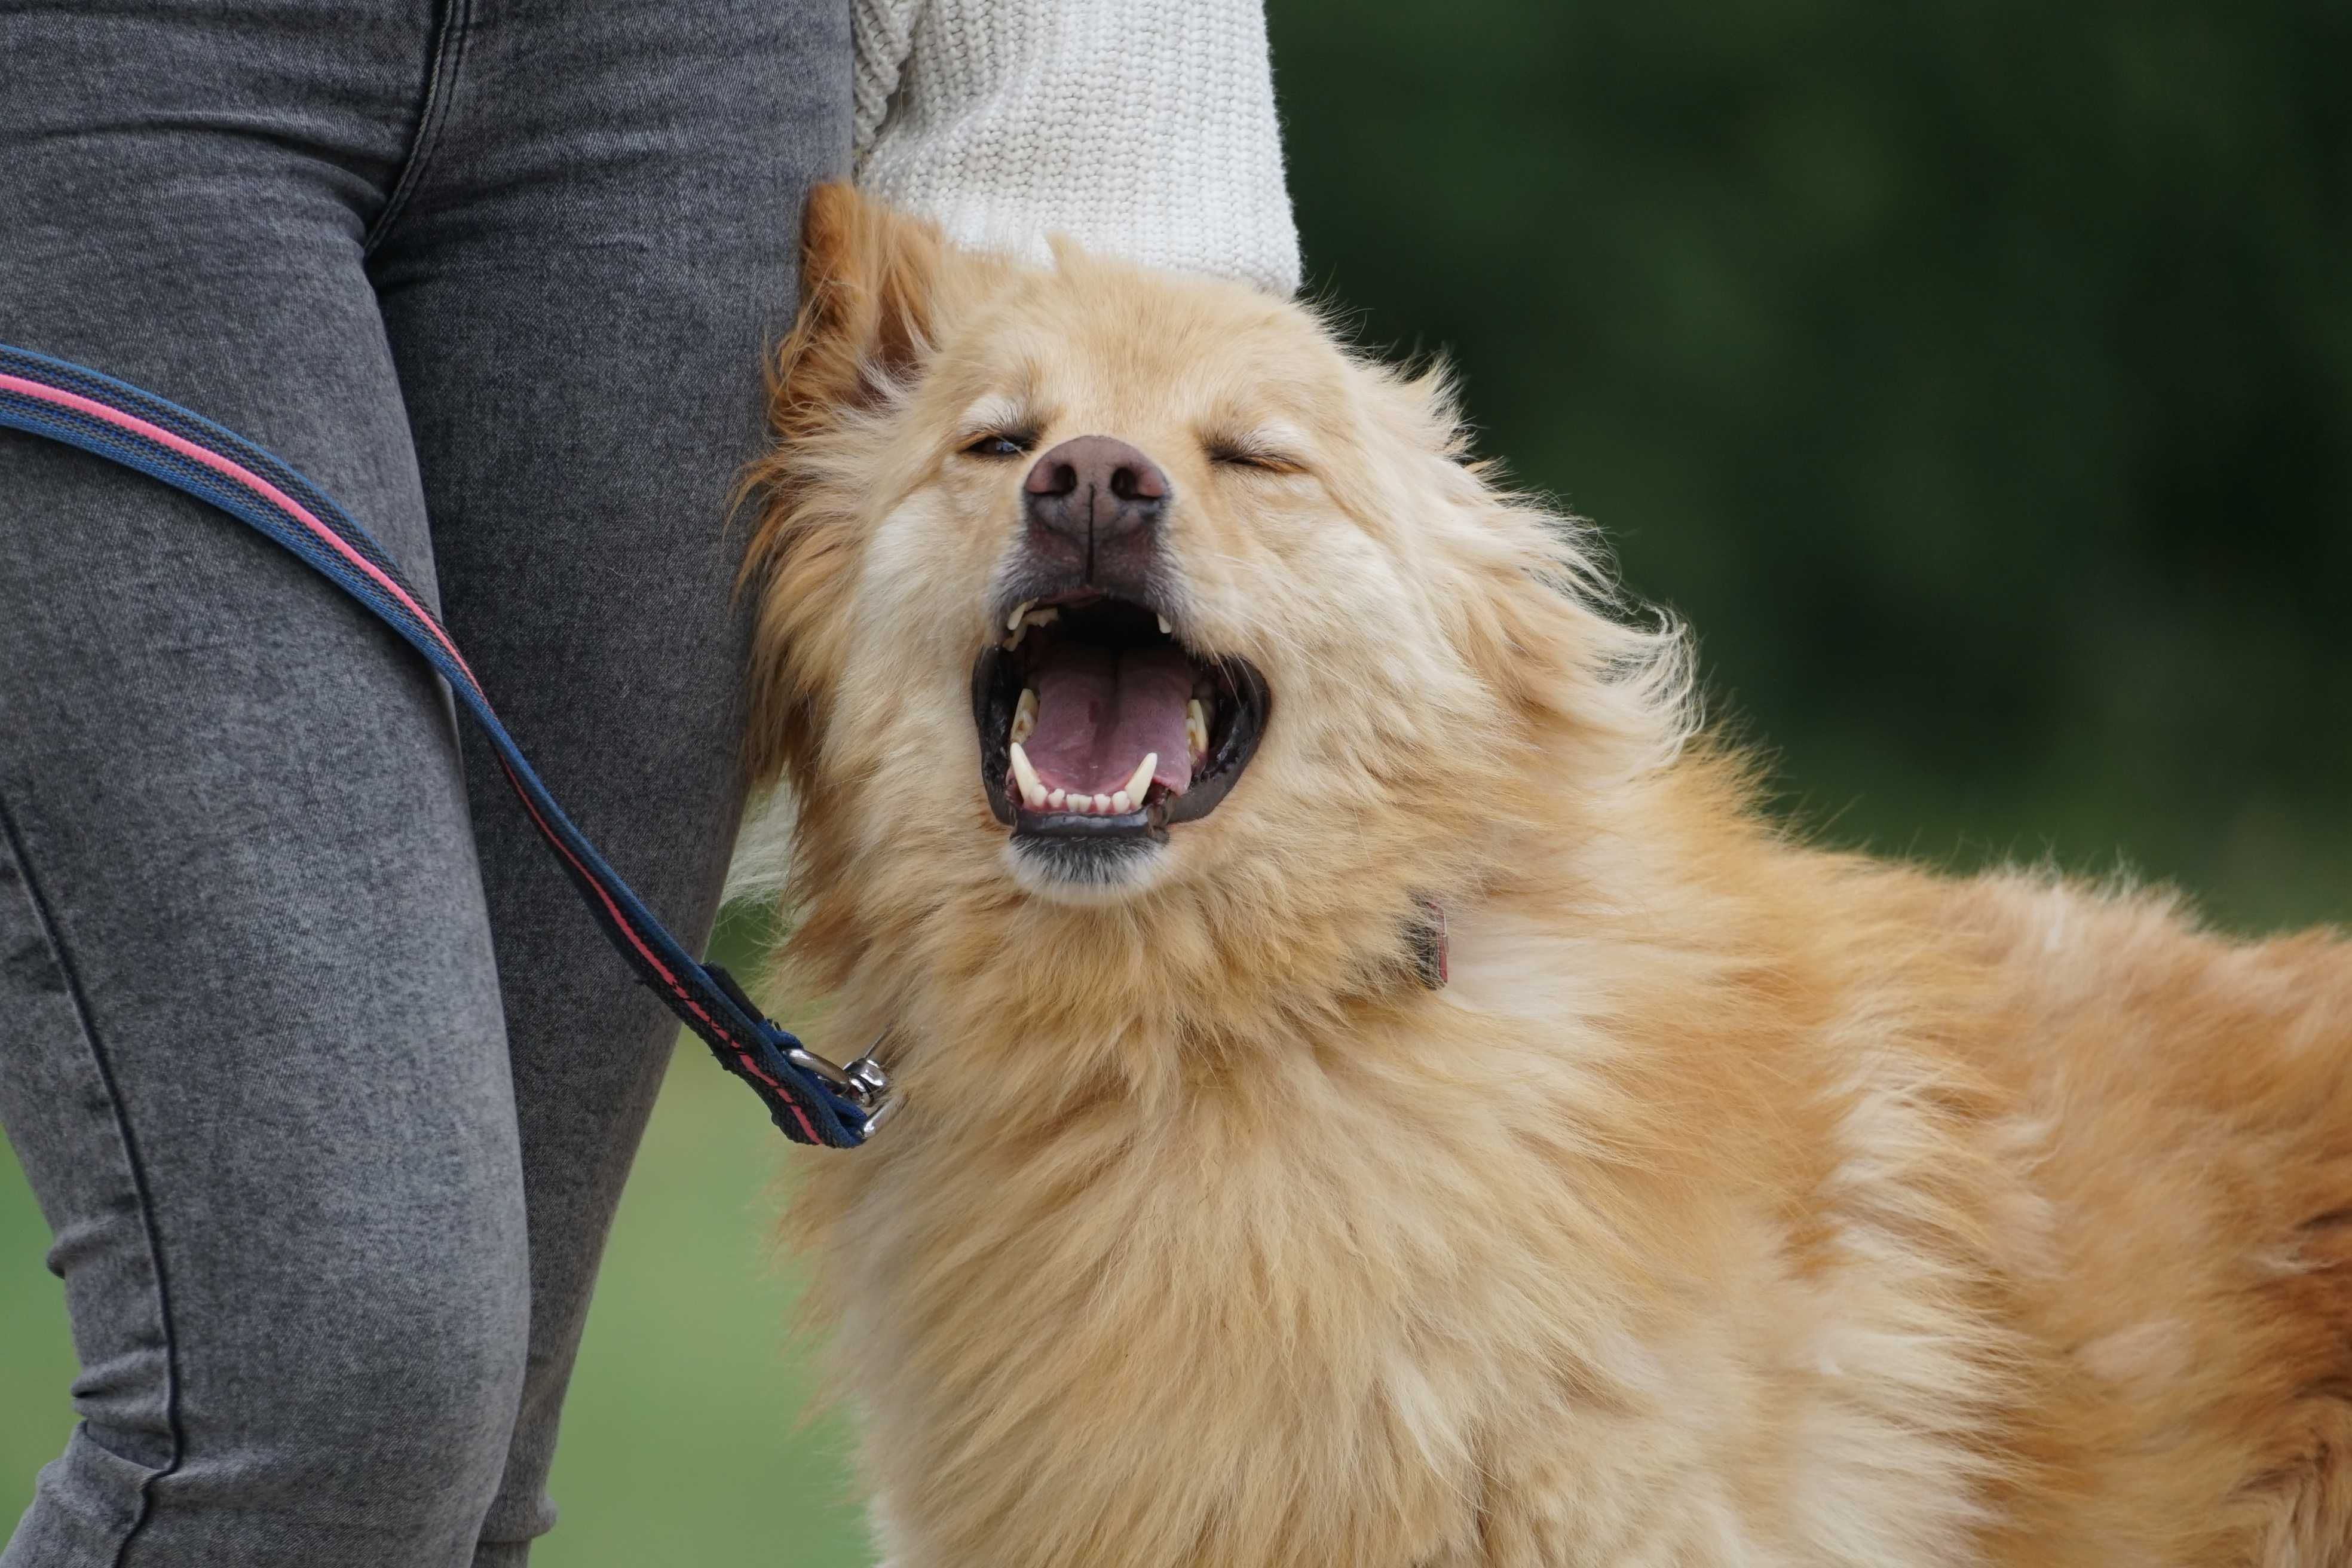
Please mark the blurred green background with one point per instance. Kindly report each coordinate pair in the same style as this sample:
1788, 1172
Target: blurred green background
1976, 377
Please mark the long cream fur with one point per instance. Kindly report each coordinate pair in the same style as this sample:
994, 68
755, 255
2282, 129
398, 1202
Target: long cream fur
1737, 1203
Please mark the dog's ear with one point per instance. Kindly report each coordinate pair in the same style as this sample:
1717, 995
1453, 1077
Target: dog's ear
874, 287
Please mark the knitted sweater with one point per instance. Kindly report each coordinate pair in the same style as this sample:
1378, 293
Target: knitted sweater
1145, 128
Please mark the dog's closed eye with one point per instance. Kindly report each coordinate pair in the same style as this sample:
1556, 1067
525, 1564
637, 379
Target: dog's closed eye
1256, 452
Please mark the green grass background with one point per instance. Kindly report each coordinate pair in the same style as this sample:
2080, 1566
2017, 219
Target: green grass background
1976, 375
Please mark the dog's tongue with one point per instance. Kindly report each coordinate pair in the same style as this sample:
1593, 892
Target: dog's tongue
1101, 711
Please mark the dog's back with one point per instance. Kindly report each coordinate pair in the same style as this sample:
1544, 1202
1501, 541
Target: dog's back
2185, 1111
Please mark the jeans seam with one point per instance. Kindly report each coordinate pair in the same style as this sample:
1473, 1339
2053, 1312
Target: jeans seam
50, 930
449, 38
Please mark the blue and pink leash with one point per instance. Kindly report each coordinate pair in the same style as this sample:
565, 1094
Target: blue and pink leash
812, 1101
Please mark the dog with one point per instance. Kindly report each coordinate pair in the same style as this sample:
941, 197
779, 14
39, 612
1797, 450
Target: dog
1377, 1089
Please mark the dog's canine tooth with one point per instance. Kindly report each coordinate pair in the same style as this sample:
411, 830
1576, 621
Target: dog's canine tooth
1196, 727
1032, 790
1024, 716
1139, 782
1165, 629
1024, 619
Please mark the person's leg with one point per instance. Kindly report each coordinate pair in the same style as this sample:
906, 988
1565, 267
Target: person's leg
251, 1051
581, 293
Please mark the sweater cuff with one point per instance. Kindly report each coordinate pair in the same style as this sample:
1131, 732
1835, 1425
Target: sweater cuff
1143, 129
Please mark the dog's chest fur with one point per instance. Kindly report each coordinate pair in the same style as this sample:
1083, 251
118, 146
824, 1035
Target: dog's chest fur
1383, 1308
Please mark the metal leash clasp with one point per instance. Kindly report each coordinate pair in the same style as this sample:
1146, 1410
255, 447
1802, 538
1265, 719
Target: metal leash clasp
863, 1082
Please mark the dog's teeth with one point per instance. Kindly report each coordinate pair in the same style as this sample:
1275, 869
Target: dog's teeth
1120, 804
1057, 800
1024, 618
1165, 629
1139, 782
1102, 805
1033, 792
1196, 727
1024, 716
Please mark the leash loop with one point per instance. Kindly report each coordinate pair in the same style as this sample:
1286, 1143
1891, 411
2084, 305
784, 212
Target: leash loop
862, 1080
809, 1099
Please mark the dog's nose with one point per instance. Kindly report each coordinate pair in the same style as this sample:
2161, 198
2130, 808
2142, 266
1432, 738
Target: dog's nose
1095, 502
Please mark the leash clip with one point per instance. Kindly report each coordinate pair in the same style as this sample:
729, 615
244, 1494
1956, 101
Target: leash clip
863, 1082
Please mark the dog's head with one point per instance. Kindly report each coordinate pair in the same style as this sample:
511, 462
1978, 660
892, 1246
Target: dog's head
1089, 586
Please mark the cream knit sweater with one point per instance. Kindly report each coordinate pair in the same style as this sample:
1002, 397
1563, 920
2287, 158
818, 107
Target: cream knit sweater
1145, 128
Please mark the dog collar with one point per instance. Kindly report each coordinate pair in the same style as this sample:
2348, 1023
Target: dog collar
1426, 936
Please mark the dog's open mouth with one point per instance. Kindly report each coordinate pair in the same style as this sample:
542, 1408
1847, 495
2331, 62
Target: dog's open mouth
1097, 723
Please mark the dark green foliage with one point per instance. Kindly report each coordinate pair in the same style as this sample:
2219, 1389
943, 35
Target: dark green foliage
1978, 378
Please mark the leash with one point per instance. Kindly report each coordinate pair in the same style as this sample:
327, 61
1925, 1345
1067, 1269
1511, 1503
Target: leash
810, 1098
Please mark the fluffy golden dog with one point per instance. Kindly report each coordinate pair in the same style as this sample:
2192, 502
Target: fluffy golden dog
1167, 708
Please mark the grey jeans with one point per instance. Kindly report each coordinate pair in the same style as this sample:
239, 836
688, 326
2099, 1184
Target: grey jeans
325, 1085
